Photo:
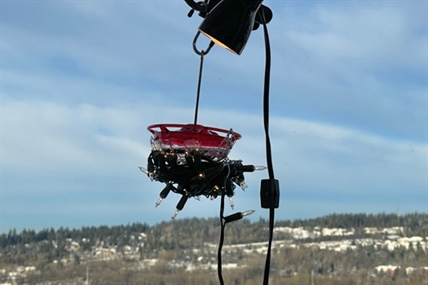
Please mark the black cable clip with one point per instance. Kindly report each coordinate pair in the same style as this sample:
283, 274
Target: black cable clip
269, 193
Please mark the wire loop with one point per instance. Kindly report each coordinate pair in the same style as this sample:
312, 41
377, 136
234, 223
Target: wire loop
202, 51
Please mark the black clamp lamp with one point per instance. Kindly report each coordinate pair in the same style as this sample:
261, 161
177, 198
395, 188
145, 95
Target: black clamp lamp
228, 23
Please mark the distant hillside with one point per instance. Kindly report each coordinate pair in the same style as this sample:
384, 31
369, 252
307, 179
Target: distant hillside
340, 247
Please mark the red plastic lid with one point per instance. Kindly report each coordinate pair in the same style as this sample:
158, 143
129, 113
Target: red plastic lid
191, 135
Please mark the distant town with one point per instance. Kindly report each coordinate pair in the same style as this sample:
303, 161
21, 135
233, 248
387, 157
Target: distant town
335, 249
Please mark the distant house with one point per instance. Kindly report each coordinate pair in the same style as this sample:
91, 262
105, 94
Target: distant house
390, 269
106, 253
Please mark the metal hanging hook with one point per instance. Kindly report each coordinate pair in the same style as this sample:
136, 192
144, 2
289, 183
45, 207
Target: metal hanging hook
202, 51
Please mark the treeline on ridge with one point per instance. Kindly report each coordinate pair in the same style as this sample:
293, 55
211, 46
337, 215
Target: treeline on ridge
194, 231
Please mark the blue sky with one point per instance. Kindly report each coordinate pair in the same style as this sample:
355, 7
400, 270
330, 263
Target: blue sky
81, 81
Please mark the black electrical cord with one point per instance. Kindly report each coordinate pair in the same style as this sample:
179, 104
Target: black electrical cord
269, 166
266, 102
220, 244
268, 145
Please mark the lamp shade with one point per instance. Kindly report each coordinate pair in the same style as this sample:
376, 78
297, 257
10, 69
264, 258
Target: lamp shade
230, 22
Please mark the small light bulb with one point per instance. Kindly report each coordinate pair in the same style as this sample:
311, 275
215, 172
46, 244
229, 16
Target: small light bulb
247, 213
164, 193
180, 205
237, 216
201, 175
142, 169
229, 187
232, 205
175, 214
249, 168
159, 201
260, 167
150, 174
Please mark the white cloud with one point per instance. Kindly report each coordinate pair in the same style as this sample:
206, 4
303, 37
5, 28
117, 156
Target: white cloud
373, 34
50, 134
310, 158
358, 63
